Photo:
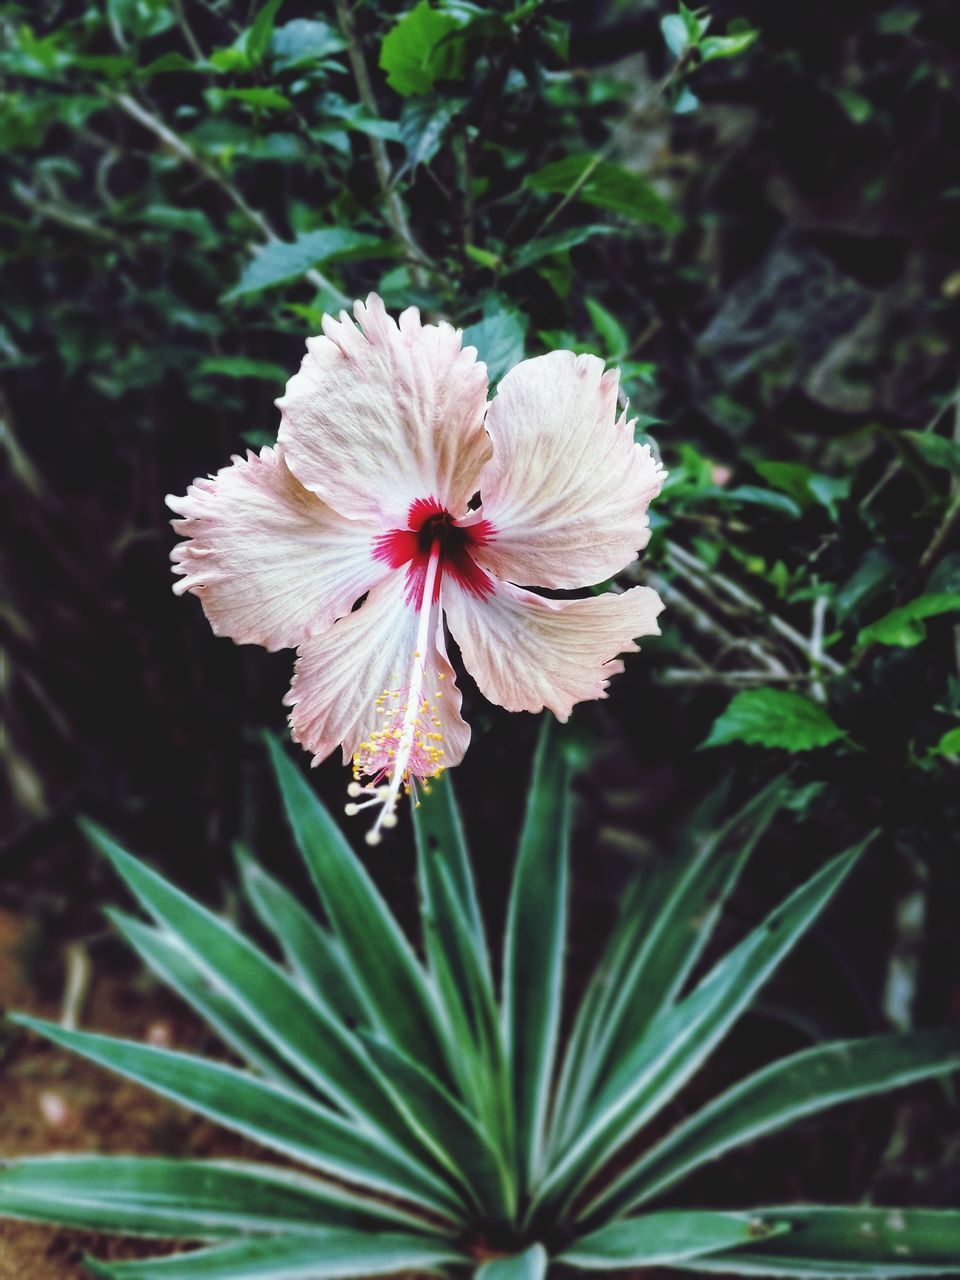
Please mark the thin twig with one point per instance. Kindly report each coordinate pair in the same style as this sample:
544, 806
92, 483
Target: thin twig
395, 212
711, 579
185, 27
183, 151
60, 214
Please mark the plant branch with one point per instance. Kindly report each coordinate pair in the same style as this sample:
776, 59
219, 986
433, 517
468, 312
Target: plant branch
395, 212
184, 152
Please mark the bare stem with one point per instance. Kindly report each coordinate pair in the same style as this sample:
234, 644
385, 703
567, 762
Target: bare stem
395, 212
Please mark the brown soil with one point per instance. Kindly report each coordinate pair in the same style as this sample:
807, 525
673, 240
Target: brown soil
52, 1101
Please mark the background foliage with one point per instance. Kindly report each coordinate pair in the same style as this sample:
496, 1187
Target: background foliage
760, 230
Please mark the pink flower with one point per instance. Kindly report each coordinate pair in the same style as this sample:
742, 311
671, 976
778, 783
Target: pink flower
385, 440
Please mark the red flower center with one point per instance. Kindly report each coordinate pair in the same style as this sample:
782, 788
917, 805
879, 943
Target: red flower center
430, 526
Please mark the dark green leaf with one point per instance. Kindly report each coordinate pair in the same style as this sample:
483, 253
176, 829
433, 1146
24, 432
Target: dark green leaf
800, 1085
533, 948
382, 962
189, 1199
280, 262
329, 1255
606, 185
877, 1243
284, 1121
660, 1239
243, 367
499, 340
529, 1265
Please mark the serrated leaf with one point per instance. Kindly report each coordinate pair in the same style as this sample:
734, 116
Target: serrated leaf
279, 262
606, 185
418, 51
774, 718
904, 627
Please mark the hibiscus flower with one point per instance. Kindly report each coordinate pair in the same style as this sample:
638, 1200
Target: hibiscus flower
395, 497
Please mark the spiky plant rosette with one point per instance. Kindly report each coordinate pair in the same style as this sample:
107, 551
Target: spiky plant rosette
433, 1120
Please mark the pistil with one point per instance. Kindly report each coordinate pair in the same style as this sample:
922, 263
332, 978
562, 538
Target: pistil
390, 750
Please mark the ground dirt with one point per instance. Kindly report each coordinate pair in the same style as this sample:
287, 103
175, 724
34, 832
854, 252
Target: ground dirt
52, 1101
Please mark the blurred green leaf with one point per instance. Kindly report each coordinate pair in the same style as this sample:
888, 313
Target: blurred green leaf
774, 718
936, 451
418, 52
303, 41
606, 185
261, 31
423, 122
905, 626
560, 242
728, 46
610, 331
499, 341
244, 367
949, 744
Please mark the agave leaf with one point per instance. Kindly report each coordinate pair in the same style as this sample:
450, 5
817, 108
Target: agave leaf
661, 1239
529, 1265
660, 936
685, 1034
290, 1123
381, 960
449, 1130
162, 953
311, 951
441, 842
473, 1020
317, 1045
850, 1242
797, 1086
187, 1199
533, 949
330, 1255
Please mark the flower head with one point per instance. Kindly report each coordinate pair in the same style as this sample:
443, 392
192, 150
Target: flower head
371, 495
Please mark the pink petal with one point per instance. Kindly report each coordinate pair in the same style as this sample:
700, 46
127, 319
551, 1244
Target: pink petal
341, 672
269, 561
384, 415
566, 490
527, 653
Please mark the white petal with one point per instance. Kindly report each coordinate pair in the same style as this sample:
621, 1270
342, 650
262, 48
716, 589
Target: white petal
527, 653
269, 561
381, 416
567, 490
